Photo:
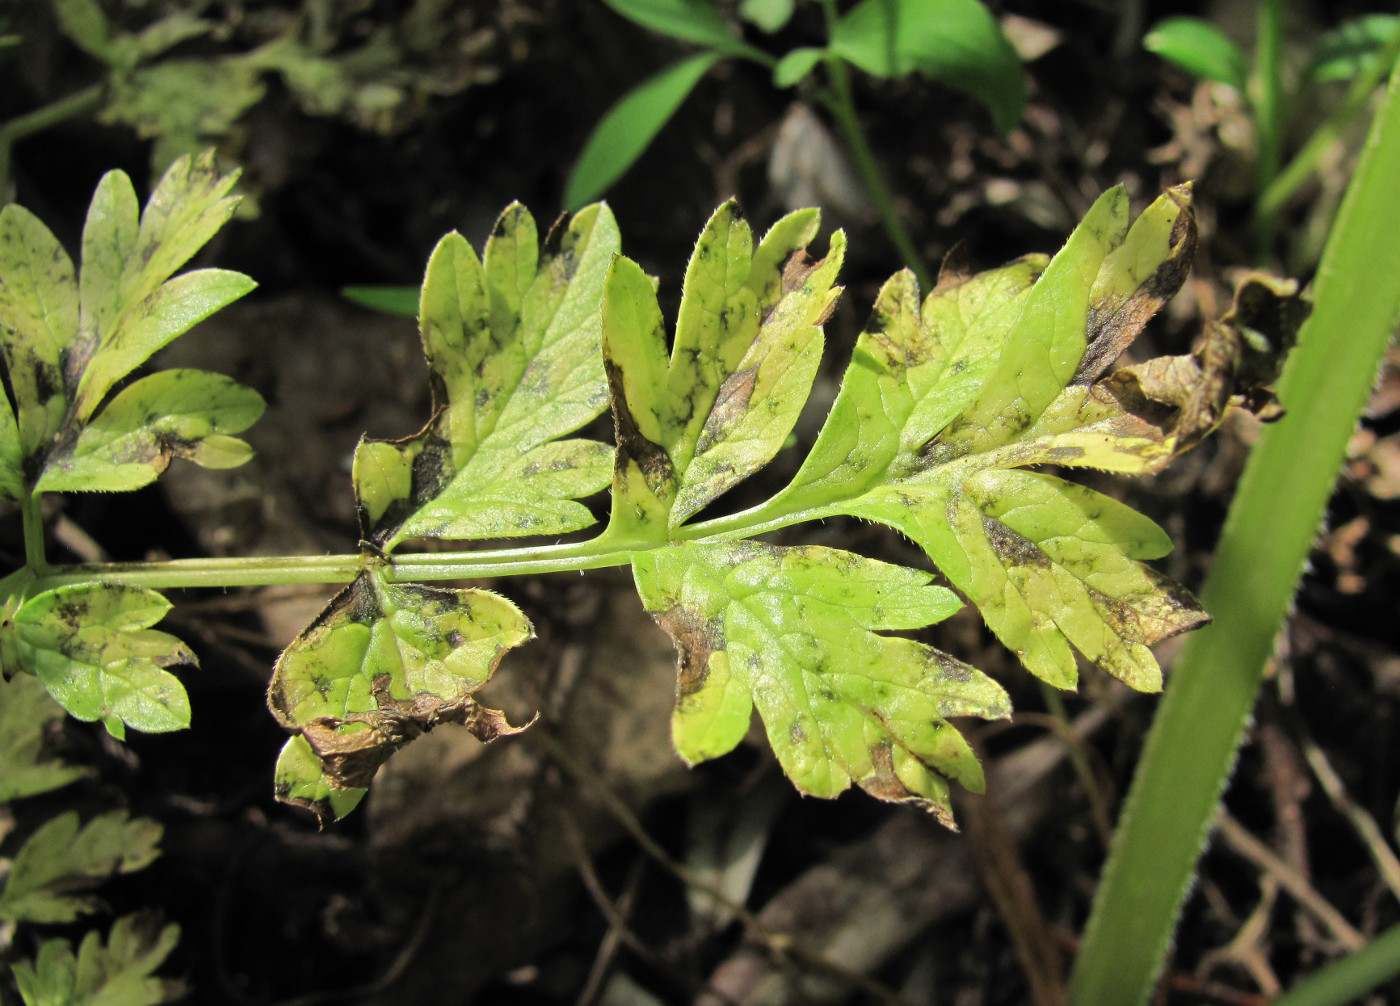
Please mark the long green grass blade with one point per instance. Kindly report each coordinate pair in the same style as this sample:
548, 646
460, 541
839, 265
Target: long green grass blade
1352, 976
1272, 522
630, 126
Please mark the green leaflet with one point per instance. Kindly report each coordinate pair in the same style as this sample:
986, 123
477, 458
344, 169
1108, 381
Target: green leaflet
383, 664
25, 768
627, 130
1199, 48
117, 973
129, 310
69, 339
512, 347
61, 858
793, 631
39, 316
956, 42
747, 346
929, 426
92, 647
169, 414
1045, 344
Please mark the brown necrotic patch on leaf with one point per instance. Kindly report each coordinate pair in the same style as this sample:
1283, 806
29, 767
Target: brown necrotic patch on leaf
696, 639
650, 458
351, 749
1012, 548
731, 404
884, 784
1168, 610
1116, 318
1234, 363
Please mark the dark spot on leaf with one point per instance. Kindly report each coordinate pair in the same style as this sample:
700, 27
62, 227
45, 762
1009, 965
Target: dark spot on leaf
731, 404
1011, 548
695, 638
1115, 323
651, 459
1063, 453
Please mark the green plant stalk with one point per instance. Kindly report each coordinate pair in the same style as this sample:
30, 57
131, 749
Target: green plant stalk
32, 518
1304, 163
839, 101
1352, 976
1268, 112
261, 571
1271, 524
1268, 101
37, 121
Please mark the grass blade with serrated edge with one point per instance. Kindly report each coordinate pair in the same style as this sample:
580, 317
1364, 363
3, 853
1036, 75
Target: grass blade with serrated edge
1271, 524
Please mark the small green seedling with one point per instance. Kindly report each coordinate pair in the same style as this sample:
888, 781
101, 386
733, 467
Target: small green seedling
955, 42
954, 402
1361, 50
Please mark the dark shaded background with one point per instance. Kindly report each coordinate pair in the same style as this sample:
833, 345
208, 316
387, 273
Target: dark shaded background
481, 875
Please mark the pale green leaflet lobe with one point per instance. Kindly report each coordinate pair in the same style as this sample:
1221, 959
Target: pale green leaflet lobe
92, 647
793, 632
747, 344
383, 664
513, 353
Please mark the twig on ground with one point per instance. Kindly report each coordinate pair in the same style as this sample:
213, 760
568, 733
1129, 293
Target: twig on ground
1365, 825
1240, 841
1005, 876
779, 945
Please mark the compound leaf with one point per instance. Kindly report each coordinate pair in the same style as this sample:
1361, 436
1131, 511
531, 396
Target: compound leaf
794, 633
92, 647
117, 973
513, 350
168, 414
383, 664
61, 861
69, 339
